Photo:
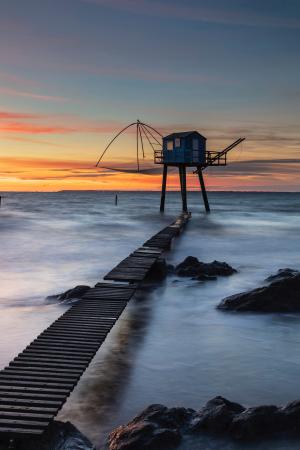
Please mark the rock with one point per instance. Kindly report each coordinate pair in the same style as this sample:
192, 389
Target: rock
170, 268
76, 293
217, 415
159, 270
281, 295
188, 268
282, 274
58, 436
292, 415
157, 427
256, 423
192, 267
204, 277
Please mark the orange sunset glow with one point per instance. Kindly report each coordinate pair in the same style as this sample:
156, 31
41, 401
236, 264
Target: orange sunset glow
65, 91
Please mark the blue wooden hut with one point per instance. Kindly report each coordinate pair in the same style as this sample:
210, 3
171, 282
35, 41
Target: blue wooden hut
188, 147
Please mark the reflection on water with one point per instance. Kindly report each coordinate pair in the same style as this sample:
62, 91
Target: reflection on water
98, 397
171, 345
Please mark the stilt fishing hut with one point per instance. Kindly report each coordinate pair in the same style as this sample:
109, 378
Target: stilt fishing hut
179, 149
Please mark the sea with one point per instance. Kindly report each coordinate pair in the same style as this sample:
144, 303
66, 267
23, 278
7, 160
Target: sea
171, 345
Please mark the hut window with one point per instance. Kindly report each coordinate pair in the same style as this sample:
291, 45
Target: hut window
170, 145
195, 144
177, 142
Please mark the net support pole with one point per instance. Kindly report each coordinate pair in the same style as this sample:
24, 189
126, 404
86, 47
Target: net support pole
163, 188
203, 189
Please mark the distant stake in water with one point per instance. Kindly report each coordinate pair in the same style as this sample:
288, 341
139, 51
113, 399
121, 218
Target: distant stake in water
181, 150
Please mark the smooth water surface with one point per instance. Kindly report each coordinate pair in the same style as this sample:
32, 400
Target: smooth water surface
171, 345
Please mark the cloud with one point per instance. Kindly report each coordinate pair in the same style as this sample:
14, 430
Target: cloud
29, 128
32, 95
8, 115
199, 13
260, 168
23, 123
44, 163
31, 141
17, 80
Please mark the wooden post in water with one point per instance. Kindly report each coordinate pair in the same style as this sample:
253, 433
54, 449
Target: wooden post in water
182, 176
184, 197
163, 188
203, 190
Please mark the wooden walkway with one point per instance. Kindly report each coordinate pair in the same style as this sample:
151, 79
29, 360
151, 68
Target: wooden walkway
36, 384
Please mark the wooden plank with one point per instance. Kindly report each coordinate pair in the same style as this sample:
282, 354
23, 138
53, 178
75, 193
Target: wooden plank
43, 417
20, 432
72, 336
32, 396
27, 409
57, 373
32, 390
125, 276
85, 326
22, 423
49, 379
13, 381
56, 356
34, 363
92, 324
84, 343
76, 331
59, 351
59, 361
23, 401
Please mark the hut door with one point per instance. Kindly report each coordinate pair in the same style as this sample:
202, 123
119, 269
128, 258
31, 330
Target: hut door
195, 150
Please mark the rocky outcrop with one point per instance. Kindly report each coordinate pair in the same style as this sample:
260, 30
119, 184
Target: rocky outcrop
71, 294
59, 436
192, 267
216, 416
283, 274
159, 427
282, 294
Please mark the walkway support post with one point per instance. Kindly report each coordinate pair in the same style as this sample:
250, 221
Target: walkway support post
163, 188
203, 190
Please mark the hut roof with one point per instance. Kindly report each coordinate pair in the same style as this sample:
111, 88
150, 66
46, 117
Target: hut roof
182, 134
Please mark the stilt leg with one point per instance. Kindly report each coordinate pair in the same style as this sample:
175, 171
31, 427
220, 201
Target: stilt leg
180, 179
203, 190
163, 188
182, 174
184, 189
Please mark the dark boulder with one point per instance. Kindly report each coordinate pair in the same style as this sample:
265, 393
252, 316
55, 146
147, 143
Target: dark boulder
58, 436
258, 422
192, 267
292, 415
159, 270
156, 428
203, 277
159, 427
71, 294
282, 274
217, 415
281, 295
76, 292
189, 267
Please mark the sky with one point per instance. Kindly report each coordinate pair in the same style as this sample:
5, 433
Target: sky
74, 72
